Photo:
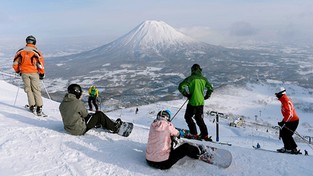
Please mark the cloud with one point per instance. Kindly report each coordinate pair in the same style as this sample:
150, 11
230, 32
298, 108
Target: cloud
242, 29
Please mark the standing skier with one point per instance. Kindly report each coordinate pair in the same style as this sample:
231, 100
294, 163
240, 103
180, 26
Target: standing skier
75, 116
288, 124
93, 95
160, 152
29, 63
193, 88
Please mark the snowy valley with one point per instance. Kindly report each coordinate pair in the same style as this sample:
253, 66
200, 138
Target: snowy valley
31, 145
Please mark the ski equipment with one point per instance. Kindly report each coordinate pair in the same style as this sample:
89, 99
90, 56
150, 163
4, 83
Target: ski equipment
125, 128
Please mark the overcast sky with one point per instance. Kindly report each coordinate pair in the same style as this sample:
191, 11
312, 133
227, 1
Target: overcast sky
211, 21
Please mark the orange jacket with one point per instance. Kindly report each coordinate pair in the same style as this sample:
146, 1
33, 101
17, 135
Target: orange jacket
287, 109
29, 60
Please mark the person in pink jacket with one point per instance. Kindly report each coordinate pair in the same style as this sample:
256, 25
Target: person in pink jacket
160, 153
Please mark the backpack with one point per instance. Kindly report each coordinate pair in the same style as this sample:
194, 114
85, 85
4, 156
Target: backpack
93, 92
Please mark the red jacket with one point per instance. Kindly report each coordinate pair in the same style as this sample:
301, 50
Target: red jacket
29, 60
287, 109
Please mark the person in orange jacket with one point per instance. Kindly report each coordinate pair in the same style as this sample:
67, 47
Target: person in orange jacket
29, 63
288, 124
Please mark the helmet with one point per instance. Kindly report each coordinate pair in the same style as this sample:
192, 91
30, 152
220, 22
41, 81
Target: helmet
164, 115
280, 92
195, 67
31, 40
75, 89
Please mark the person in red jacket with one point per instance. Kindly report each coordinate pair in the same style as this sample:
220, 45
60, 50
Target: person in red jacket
288, 124
29, 63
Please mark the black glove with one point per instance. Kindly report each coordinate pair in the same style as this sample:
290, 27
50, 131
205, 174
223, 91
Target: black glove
19, 73
41, 76
187, 95
281, 123
207, 96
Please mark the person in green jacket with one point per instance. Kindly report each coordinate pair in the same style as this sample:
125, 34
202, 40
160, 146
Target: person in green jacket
75, 116
193, 88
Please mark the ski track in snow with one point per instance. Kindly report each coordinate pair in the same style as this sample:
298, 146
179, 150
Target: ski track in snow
33, 146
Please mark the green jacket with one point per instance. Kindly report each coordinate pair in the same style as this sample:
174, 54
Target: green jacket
196, 84
73, 114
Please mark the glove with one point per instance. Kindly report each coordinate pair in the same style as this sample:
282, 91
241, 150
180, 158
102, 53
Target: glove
41, 76
19, 73
187, 95
207, 96
181, 133
281, 123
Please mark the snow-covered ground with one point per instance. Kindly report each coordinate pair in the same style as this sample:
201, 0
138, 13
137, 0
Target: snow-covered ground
31, 145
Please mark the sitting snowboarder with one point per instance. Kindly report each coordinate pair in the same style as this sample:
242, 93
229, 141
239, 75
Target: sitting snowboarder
160, 152
75, 116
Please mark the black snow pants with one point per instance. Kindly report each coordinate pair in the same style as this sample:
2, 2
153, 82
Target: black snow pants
175, 155
286, 134
196, 111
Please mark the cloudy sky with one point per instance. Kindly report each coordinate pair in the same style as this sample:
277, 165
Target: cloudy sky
211, 21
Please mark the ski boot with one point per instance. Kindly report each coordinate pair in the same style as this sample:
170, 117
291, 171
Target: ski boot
39, 110
32, 108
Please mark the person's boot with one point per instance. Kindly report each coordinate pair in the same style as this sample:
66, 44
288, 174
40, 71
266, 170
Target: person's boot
39, 110
32, 109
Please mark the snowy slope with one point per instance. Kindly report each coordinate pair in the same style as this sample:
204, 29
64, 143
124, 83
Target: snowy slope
31, 145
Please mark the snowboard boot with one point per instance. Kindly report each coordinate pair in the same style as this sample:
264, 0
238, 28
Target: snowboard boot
39, 110
207, 138
202, 150
118, 124
32, 109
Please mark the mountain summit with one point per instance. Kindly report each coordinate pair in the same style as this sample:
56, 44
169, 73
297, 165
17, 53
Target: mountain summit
150, 40
155, 33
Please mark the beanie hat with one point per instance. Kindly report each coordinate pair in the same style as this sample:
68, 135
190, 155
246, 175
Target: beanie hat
195, 67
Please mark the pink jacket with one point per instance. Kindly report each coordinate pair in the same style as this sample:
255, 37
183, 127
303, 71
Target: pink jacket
159, 141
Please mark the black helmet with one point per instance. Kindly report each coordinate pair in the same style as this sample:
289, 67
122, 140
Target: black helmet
75, 89
195, 67
164, 115
31, 40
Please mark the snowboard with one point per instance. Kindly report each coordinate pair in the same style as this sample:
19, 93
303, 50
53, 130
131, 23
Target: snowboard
125, 129
216, 156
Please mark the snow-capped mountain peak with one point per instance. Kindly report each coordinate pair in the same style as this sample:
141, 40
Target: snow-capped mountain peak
153, 32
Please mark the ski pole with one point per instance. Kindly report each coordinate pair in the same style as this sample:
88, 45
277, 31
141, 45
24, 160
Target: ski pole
179, 109
46, 89
18, 89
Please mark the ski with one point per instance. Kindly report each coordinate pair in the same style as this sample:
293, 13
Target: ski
42, 113
221, 143
275, 151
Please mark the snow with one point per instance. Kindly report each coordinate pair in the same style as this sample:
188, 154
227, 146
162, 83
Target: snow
31, 145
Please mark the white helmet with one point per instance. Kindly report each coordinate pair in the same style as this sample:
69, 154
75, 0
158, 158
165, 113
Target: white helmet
280, 92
